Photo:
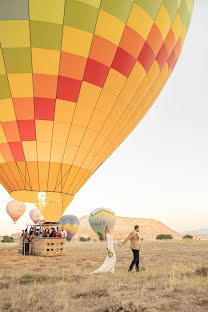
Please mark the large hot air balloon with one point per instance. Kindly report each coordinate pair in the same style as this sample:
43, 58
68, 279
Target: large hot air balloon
35, 215
15, 209
54, 209
100, 218
76, 77
70, 224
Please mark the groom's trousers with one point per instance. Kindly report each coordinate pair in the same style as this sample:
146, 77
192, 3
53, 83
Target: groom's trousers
135, 260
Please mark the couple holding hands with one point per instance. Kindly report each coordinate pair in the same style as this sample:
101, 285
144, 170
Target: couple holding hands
110, 260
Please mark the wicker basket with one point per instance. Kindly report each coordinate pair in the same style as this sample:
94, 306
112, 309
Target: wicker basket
46, 246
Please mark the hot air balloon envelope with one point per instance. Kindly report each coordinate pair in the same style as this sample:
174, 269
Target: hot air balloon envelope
76, 77
52, 211
70, 224
15, 209
100, 218
35, 215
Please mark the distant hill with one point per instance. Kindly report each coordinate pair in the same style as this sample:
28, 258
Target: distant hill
201, 234
199, 231
149, 228
18, 234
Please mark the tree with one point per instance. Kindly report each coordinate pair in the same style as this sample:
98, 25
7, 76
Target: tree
101, 238
84, 239
7, 239
187, 236
164, 236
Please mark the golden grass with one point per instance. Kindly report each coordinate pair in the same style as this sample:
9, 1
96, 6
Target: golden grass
173, 277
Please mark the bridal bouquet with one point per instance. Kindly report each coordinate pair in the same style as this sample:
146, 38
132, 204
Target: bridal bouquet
110, 254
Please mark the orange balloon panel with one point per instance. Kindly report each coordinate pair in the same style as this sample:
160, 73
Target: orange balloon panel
76, 77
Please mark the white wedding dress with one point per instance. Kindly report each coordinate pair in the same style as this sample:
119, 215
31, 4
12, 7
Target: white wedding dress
109, 263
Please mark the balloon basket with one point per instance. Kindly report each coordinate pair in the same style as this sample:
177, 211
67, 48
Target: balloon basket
43, 246
48, 246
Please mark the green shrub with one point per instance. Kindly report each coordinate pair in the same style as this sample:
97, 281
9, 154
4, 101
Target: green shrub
7, 239
84, 239
187, 236
164, 236
33, 277
142, 239
101, 238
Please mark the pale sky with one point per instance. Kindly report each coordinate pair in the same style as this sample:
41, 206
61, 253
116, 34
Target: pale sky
161, 170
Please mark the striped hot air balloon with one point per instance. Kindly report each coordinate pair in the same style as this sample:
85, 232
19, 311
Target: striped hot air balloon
15, 209
70, 224
76, 77
100, 218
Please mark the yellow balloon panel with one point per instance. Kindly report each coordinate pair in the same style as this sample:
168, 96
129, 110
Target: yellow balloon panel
76, 77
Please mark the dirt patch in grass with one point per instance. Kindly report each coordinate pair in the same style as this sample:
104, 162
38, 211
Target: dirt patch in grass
203, 301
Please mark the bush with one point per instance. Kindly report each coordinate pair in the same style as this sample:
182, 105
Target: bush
101, 238
164, 236
7, 239
202, 272
84, 239
187, 236
32, 278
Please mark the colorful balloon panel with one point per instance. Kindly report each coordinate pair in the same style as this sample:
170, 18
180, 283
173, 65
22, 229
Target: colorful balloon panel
76, 77
15, 209
100, 218
70, 224
35, 215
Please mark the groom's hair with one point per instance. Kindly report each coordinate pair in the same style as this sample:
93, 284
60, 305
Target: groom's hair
136, 227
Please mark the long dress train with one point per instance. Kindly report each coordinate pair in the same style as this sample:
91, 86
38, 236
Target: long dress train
109, 263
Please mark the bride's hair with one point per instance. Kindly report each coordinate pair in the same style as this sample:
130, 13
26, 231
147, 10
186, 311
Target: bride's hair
107, 230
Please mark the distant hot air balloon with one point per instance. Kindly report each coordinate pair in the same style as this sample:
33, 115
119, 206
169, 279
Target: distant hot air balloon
70, 224
15, 209
35, 215
100, 218
76, 77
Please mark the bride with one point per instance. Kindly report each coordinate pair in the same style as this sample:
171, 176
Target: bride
110, 260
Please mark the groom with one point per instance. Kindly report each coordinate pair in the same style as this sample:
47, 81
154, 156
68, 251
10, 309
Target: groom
134, 239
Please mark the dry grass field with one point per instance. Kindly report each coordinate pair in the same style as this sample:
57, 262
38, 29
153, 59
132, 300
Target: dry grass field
173, 277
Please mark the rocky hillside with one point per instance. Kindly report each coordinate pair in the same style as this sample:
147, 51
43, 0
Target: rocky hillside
149, 228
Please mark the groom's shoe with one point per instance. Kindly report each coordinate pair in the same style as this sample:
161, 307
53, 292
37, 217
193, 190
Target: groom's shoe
137, 270
130, 270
